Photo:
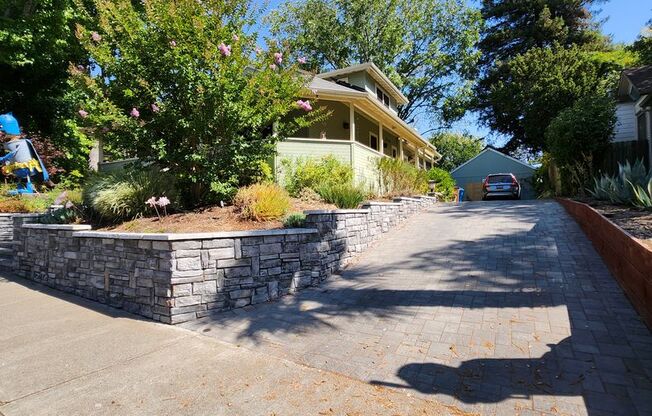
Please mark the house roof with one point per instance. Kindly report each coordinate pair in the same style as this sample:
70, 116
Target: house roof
641, 78
491, 149
375, 73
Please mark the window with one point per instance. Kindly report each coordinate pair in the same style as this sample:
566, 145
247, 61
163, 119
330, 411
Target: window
373, 141
382, 96
394, 152
642, 128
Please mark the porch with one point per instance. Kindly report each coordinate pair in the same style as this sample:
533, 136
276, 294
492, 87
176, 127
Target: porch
354, 137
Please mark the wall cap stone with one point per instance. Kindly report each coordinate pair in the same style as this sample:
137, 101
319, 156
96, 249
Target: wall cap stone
193, 236
336, 211
22, 215
406, 198
375, 203
64, 227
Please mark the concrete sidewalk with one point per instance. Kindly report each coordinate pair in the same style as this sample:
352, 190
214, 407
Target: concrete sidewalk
60, 355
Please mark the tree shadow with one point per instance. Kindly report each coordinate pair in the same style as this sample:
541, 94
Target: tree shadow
556, 373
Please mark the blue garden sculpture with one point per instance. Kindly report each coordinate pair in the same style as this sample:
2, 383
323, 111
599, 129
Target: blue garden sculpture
21, 161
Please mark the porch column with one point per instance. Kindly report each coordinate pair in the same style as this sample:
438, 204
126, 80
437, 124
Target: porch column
400, 148
380, 138
351, 122
416, 157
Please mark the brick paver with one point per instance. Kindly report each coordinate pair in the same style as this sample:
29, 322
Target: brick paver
496, 308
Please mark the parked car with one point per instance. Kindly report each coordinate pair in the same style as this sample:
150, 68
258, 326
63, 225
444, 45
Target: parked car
501, 185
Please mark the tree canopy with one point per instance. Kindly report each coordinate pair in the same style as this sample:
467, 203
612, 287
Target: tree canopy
514, 27
643, 45
38, 44
426, 47
456, 148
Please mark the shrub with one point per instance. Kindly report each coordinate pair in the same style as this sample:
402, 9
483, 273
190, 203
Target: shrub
121, 195
314, 173
577, 137
444, 182
295, 220
262, 202
344, 196
399, 178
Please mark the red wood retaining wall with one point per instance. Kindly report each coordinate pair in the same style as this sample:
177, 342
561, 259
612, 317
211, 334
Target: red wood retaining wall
629, 260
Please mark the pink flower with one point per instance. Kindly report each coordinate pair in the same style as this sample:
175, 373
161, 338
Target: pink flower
278, 58
225, 50
173, 43
163, 201
81, 67
236, 38
134, 113
151, 202
82, 113
272, 67
302, 60
304, 105
96, 37
258, 51
155, 108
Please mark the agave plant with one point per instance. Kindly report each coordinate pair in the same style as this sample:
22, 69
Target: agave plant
643, 196
622, 188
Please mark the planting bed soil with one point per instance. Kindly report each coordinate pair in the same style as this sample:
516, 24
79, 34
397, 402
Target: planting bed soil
208, 219
636, 222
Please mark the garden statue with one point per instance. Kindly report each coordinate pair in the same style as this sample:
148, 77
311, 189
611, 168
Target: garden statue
21, 161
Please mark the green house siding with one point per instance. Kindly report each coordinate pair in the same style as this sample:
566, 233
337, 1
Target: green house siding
489, 162
362, 159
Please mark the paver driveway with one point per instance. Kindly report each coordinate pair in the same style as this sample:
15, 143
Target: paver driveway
496, 308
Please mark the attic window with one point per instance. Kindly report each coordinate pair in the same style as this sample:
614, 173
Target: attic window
382, 96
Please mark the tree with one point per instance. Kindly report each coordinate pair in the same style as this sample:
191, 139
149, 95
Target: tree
578, 136
514, 27
643, 45
535, 62
38, 44
179, 83
455, 148
426, 47
531, 89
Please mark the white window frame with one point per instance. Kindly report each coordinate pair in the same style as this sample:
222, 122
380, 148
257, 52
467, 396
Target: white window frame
385, 96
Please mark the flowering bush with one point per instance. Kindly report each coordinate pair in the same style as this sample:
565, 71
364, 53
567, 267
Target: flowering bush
182, 84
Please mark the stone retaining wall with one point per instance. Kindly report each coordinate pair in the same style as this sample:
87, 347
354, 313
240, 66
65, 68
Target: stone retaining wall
175, 278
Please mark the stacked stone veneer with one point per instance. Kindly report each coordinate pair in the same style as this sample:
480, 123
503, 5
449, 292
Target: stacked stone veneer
175, 278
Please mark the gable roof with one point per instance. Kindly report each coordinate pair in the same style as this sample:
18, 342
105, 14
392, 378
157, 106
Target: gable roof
641, 78
491, 149
376, 74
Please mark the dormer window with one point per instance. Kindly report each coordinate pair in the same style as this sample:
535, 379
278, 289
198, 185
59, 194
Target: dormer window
382, 96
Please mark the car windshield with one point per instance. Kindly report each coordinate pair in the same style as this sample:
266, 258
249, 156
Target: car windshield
500, 179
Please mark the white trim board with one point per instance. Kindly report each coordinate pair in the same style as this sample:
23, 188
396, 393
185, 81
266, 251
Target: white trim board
495, 151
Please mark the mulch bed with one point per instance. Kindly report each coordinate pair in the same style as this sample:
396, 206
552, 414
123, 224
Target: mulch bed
208, 219
636, 222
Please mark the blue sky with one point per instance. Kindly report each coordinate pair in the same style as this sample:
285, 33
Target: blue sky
623, 20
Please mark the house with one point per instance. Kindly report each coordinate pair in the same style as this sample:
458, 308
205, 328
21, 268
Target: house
363, 125
470, 174
633, 133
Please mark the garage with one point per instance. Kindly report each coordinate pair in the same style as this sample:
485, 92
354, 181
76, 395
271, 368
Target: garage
470, 174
